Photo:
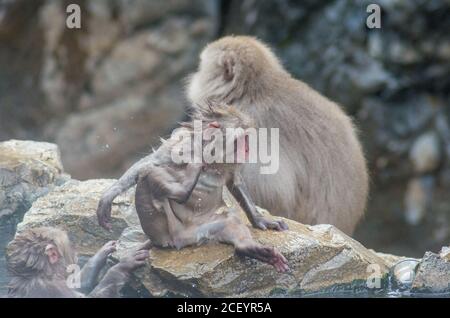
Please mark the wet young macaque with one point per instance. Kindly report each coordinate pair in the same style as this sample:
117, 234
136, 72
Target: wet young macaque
182, 204
38, 260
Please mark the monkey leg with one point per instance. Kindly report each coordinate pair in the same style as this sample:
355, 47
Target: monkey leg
182, 235
236, 233
126, 181
177, 230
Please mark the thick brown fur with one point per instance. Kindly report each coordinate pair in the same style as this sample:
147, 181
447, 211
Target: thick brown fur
322, 176
35, 276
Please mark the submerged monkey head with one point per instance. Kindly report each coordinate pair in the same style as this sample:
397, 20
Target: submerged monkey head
40, 251
232, 68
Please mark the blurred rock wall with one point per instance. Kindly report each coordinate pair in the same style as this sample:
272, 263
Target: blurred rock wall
106, 92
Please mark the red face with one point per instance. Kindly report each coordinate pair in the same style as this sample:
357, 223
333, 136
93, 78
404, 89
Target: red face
241, 143
52, 253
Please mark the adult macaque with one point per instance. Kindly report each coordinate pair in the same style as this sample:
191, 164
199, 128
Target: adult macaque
322, 176
182, 205
38, 261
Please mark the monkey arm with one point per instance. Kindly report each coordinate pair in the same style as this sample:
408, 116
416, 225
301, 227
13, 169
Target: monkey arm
118, 275
238, 189
174, 185
111, 284
90, 271
125, 182
180, 192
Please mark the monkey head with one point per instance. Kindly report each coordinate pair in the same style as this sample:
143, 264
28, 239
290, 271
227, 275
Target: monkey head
225, 129
39, 251
232, 68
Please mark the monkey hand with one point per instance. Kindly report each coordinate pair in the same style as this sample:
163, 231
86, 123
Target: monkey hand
104, 214
99, 259
106, 250
145, 246
263, 223
131, 262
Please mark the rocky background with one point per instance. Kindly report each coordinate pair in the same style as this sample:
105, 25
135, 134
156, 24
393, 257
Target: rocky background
106, 92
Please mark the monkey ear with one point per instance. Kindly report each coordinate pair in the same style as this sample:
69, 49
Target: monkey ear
214, 124
52, 253
228, 64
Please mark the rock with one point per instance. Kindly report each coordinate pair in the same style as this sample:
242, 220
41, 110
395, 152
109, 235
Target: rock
390, 259
27, 171
72, 207
133, 59
321, 257
140, 12
432, 275
425, 153
418, 198
445, 253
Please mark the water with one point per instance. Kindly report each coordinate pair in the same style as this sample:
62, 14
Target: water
7, 231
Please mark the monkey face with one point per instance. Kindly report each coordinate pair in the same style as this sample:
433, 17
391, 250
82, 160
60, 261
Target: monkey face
230, 144
62, 245
52, 253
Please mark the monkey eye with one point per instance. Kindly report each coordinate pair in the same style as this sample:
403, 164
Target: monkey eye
214, 124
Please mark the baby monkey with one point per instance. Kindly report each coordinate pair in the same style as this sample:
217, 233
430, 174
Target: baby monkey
181, 204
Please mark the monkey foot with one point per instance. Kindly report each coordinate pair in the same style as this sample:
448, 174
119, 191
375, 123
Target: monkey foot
133, 261
265, 254
263, 224
107, 249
